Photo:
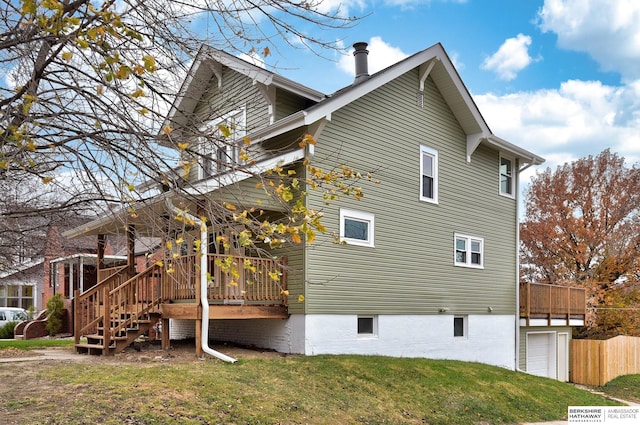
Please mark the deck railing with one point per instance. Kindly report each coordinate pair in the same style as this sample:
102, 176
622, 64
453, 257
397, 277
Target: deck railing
543, 301
229, 278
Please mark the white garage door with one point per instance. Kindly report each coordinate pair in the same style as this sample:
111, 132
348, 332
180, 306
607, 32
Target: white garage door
541, 354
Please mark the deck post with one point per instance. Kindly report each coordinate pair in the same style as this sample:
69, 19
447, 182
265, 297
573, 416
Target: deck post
76, 319
101, 247
106, 319
131, 250
199, 336
165, 334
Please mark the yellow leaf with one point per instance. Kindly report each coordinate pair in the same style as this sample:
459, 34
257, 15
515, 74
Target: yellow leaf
285, 292
169, 245
138, 93
300, 298
183, 146
28, 6
229, 206
100, 90
46, 180
247, 140
67, 56
149, 63
266, 52
179, 240
167, 130
295, 238
159, 263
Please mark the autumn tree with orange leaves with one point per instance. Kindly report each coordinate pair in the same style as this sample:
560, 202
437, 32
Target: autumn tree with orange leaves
582, 228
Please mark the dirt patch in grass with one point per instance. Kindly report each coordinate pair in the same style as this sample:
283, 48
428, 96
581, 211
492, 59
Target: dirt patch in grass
185, 351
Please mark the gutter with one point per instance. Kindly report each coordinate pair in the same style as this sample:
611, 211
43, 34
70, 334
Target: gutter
204, 339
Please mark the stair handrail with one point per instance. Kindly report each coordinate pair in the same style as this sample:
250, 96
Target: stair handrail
119, 306
81, 328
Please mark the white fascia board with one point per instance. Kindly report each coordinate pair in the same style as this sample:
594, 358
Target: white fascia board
228, 179
299, 89
528, 157
107, 219
22, 267
88, 256
279, 127
554, 322
261, 75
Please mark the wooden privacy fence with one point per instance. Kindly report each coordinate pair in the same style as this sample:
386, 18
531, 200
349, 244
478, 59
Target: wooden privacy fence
596, 362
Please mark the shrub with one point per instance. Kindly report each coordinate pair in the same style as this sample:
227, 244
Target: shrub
6, 331
55, 305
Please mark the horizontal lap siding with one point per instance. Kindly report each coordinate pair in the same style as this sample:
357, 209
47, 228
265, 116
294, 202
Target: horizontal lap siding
411, 270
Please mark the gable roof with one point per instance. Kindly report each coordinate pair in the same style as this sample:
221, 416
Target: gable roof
209, 62
432, 62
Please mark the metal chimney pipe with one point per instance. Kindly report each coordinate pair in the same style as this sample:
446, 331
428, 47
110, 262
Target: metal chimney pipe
362, 67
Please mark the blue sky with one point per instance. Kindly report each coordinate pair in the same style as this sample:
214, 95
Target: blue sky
560, 78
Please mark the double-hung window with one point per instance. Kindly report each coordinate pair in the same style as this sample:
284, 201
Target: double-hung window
220, 147
356, 228
428, 174
506, 177
469, 251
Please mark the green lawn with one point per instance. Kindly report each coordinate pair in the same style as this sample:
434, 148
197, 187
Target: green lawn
624, 387
31, 344
282, 390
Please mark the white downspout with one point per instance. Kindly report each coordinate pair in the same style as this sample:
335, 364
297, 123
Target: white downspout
203, 286
517, 335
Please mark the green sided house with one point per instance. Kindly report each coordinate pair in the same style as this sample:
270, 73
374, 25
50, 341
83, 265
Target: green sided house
428, 264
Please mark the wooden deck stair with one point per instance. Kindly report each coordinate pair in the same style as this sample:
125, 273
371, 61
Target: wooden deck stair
96, 343
117, 311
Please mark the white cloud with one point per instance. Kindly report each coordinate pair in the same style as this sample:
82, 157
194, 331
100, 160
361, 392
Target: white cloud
607, 30
511, 58
578, 119
381, 55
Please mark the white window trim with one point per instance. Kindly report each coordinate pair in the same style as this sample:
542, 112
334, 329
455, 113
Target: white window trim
213, 127
468, 262
465, 327
359, 216
511, 195
434, 154
374, 319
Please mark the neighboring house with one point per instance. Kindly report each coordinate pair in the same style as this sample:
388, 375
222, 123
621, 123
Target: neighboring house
21, 284
30, 284
428, 266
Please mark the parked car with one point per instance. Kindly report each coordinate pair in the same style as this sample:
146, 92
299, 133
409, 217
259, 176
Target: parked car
12, 314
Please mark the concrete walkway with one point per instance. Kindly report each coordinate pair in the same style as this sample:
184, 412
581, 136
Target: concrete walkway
48, 354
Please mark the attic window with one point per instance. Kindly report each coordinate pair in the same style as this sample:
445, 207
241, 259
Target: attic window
220, 152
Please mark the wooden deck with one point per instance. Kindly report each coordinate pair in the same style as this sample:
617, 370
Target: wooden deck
553, 304
121, 307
